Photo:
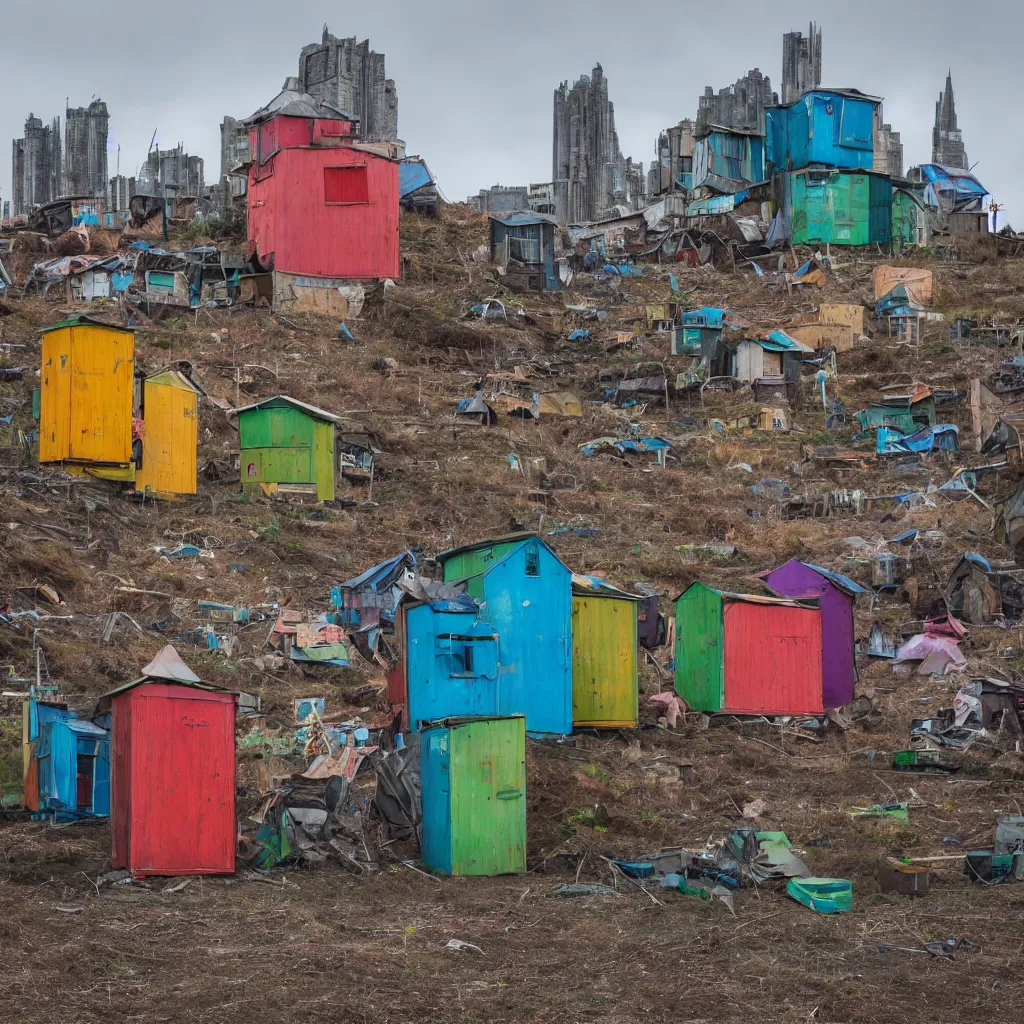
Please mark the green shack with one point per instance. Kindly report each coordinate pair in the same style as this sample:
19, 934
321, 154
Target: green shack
827, 206
287, 447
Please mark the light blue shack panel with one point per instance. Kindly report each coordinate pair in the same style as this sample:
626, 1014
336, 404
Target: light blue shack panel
435, 774
527, 599
61, 743
452, 665
830, 129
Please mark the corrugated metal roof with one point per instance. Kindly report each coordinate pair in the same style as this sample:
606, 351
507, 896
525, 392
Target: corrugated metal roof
842, 582
84, 320
523, 218
594, 586
291, 101
376, 572
320, 414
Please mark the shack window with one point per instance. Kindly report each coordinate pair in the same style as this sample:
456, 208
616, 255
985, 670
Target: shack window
532, 562
524, 245
346, 185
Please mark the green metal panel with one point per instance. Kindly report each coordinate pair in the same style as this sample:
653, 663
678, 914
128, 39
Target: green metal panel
700, 679
488, 797
840, 208
472, 563
277, 465
275, 427
904, 219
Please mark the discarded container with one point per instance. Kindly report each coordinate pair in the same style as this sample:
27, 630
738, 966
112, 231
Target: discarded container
909, 879
822, 895
989, 867
474, 796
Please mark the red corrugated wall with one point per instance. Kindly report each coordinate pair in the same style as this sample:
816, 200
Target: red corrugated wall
173, 791
292, 226
772, 659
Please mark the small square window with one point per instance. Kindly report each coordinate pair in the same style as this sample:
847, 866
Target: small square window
346, 185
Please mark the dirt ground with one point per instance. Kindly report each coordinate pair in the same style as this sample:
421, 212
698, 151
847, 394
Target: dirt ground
322, 945
325, 946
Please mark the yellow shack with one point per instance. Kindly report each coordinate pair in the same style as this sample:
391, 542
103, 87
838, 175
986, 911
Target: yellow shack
85, 399
170, 435
604, 654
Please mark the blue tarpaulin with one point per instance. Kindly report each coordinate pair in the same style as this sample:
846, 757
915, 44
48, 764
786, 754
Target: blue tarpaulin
945, 437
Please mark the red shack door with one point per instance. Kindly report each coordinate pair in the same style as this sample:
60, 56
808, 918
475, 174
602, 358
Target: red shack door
183, 800
772, 659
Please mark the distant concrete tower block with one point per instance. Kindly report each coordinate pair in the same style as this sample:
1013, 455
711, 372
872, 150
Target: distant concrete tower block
801, 63
350, 76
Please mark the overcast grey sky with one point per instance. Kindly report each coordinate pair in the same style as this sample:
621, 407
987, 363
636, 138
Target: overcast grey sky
475, 80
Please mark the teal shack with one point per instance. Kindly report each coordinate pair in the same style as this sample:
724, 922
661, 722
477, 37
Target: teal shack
473, 781
827, 206
524, 593
71, 774
287, 448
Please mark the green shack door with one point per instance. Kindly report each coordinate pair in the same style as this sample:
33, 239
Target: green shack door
700, 677
488, 797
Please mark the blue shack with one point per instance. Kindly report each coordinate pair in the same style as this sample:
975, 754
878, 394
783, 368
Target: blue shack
726, 159
68, 764
451, 661
523, 245
524, 598
825, 127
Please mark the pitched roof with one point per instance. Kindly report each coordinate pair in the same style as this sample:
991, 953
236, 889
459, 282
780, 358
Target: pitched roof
320, 414
169, 666
512, 538
84, 320
291, 101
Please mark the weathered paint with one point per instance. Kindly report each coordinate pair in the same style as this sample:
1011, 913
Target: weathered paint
85, 407
72, 766
472, 561
736, 156
772, 659
604, 661
699, 674
173, 780
292, 226
451, 665
474, 796
283, 444
837, 207
839, 668
822, 127
170, 437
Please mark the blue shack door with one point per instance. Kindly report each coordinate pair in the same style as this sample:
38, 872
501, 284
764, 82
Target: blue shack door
452, 665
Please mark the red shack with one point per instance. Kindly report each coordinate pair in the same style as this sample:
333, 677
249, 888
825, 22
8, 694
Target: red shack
323, 205
172, 792
744, 654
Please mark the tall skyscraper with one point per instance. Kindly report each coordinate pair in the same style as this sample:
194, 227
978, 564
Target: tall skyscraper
85, 150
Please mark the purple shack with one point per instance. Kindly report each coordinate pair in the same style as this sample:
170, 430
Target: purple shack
837, 594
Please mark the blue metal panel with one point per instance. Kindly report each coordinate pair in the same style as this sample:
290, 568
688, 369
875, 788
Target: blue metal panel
61, 739
413, 174
435, 785
830, 128
451, 665
528, 601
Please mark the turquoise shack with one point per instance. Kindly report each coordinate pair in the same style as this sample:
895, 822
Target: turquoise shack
473, 780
